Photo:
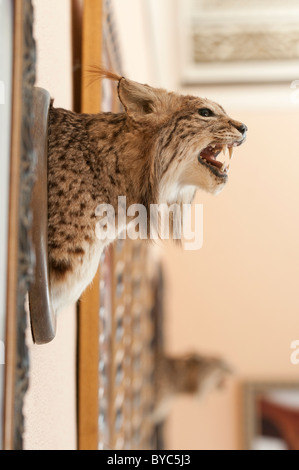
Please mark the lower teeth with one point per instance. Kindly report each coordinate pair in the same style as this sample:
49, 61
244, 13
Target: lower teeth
223, 169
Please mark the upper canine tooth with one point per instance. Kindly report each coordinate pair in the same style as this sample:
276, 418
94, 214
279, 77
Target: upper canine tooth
224, 149
231, 152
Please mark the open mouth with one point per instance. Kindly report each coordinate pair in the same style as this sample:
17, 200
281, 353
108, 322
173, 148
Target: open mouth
208, 157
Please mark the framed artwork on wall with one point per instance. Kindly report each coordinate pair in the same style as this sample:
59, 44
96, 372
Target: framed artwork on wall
231, 41
271, 412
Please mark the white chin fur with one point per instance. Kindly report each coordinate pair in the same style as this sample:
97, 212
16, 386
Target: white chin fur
217, 189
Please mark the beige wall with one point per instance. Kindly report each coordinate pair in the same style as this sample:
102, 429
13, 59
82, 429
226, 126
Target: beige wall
50, 406
237, 296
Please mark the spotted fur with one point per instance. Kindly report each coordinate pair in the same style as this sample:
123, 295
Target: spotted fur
148, 153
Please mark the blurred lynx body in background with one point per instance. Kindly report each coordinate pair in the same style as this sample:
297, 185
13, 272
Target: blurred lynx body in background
191, 374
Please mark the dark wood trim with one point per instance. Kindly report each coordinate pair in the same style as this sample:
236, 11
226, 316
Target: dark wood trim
77, 14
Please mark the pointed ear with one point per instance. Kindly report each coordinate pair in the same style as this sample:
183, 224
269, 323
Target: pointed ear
138, 100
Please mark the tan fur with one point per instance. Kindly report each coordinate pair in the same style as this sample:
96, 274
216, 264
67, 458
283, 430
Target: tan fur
191, 374
149, 153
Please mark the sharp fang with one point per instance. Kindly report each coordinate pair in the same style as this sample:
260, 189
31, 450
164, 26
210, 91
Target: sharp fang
231, 152
223, 168
224, 149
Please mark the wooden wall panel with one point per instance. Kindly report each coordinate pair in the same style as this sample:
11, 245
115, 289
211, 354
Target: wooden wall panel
88, 322
91, 54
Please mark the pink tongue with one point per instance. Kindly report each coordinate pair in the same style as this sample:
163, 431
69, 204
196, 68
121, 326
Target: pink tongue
212, 161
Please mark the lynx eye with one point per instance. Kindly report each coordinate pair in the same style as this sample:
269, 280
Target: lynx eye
205, 112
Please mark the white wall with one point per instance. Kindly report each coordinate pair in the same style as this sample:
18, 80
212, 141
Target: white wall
52, 31
145, 30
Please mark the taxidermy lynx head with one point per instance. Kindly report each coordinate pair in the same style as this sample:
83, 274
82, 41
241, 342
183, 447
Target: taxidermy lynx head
160, 150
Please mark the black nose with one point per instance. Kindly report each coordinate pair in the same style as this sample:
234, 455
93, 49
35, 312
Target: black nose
242, 128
